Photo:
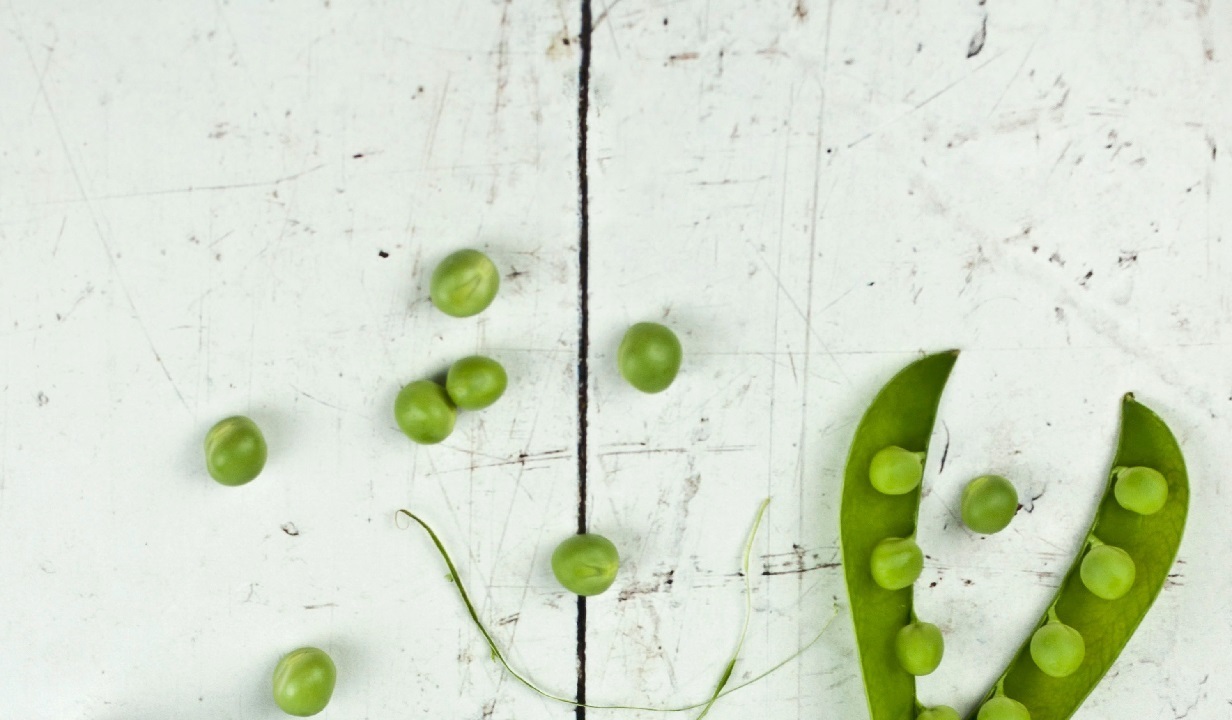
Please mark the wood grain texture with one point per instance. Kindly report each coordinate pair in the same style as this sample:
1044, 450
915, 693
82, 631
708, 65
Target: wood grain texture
233, 206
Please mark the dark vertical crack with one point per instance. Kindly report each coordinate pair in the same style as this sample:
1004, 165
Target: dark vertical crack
583, 372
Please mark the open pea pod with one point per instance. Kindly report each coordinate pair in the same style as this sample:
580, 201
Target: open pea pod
1151, 541
901, 415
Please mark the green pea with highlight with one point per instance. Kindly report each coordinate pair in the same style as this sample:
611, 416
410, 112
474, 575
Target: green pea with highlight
475, 382
1142, 490
1057, 649
1108, 572
304, 681
586, 564
988, 504
649, 357
424, 412
896, 563
235, 451
1003, 708
465, 283
940, 712
919, 647
895, 471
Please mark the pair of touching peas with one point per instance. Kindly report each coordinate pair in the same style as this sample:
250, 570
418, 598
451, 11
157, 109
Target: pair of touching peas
1119, 570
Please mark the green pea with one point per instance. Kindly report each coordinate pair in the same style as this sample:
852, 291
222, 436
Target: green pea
895, 471
903, 415
1108, 572
424, 412
304, 681
1057, 649
1003, 708
475, 382
919, 647
234, 451
896, 563
464, 283
1141, 489
649, 357
988, 504
940, 712
585, 564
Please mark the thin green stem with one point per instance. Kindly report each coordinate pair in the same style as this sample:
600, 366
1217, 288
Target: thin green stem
720, 686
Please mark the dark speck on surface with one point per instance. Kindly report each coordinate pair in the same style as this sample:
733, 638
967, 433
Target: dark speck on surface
383, 254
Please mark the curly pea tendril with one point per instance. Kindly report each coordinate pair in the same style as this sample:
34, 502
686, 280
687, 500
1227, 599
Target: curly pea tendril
606, 556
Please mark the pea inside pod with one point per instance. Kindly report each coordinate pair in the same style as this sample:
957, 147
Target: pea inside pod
1108, 571
901, 416
919, 647
1003, 708
1104, 626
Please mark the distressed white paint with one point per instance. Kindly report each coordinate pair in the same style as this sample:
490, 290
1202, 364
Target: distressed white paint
814, 192
810, 193
188, 232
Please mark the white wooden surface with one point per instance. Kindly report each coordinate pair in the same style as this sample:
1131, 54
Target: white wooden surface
194, 207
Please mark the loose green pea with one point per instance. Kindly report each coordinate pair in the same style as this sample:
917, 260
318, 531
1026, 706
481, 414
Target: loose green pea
1141, 489
895, 471
1057, 649
304, 681
424, 412
896, 563
235, 451
465, 283
1108, 572
649, 357
1003, 708
475, 382
988, 504
919, 647
940, 712
586, 564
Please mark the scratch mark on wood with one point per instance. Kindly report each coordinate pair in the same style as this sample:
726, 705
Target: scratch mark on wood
977, 41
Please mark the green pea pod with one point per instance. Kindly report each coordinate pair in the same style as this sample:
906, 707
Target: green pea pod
901, 415
1151, 541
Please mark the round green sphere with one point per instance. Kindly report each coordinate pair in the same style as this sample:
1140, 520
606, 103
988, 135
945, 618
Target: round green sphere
895, 471
424, 412
1141, 489
465, 283
585, 564
919, 647
304, 681
475, 382
1108, 572
1057, 649
649, 357
896, 563
235, 451
1003, 708
988, 504
940, 712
